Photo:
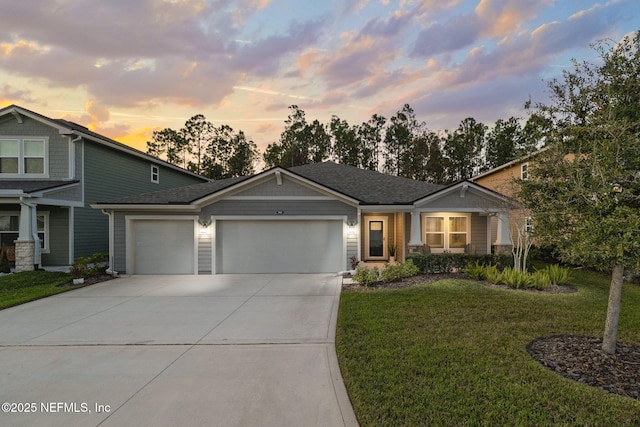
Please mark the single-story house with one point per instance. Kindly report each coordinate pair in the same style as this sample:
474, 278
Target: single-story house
306, 219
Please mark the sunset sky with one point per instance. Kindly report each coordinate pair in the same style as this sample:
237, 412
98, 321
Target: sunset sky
128, 67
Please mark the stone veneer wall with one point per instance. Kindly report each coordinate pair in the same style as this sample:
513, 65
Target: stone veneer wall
24, 255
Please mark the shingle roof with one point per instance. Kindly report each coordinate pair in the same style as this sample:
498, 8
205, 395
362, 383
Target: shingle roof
178, 196
33, 186
368, 187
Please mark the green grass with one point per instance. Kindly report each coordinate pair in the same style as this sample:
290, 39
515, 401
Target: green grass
23, 287
453, 353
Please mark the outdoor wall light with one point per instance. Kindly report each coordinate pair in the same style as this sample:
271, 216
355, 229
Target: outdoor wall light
351, 223
204, 226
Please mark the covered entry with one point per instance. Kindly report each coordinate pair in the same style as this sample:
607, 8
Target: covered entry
279, 246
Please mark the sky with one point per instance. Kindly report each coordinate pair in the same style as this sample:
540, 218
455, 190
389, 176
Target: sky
125, 68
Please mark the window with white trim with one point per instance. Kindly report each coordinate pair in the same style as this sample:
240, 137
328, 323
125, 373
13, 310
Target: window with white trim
524, 171
155, 174
446, 232
528, 224
23, 156
10, 229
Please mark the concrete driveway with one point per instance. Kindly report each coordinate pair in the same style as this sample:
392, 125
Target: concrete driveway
230, 350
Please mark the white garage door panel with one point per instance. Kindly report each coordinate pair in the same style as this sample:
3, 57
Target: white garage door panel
164, 247
279, 246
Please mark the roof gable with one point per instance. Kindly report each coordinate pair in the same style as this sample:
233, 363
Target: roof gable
465, 195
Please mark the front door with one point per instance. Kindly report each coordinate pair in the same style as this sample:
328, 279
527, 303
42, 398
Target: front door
376, 239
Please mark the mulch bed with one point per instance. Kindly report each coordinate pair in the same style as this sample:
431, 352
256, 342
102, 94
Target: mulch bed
89, 281
574, 357
427, 279
582, 359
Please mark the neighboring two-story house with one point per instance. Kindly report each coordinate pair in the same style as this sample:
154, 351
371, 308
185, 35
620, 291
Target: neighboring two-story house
51, 170
504, 180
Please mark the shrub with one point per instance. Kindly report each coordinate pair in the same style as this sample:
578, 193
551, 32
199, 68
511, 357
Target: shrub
540, 280
492, 274
397, 272
79, 268
409, 269
91, 266
447, 263
366, 276
391, 273
5, 267
515, 278
476, 271
558, 275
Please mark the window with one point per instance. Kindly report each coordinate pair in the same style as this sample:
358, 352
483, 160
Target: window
23, 156
524, 171
528, 224
446, 232
10, 229
435, 232
155, 174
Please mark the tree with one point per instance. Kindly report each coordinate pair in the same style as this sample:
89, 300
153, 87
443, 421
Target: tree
370, 134
347, 146
584, 190
463, 148
169, 143
300, 142
502, 141
197, 134
243, 157
435, 168
206, 150
400, 139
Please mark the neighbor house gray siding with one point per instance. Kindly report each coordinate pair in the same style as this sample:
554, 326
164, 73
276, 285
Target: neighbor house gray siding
58, 236
109, 174
58, 145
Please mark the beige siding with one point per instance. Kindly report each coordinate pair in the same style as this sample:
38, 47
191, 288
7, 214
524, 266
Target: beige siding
502, 181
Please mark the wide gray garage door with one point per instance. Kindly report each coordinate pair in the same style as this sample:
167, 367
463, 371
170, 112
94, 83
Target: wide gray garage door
279, 246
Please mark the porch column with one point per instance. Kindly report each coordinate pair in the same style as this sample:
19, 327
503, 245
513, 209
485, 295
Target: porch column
503, 243
415, 245
25, 245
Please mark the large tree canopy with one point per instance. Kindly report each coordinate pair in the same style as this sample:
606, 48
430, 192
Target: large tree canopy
584, 189
214, 152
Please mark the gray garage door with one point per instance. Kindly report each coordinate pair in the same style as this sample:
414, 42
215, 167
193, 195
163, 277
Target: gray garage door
163, 247
279, 246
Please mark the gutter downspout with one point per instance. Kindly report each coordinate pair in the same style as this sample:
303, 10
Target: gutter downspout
110, 269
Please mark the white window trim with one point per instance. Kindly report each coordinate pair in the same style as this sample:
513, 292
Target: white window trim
45, 215
446, 216
155, 174
21, 173
524, 171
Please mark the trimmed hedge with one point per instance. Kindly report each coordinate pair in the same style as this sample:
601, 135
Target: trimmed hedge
449, 263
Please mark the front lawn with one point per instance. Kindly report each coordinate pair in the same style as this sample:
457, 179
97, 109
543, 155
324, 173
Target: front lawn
454, 353
27, 286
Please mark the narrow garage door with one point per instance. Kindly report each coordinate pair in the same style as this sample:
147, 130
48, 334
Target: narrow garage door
279, 246
163, 247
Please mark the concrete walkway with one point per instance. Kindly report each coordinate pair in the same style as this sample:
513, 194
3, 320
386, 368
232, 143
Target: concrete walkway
236, 350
